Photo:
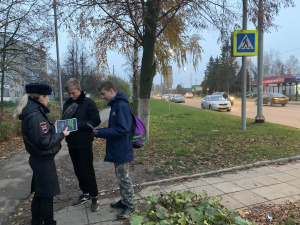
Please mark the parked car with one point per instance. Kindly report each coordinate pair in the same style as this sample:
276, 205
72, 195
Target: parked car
215, 102
274, 98
189, 95
178, 99
165, 97
230, 98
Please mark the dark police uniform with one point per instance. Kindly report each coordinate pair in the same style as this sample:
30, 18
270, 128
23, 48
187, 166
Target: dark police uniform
42, 143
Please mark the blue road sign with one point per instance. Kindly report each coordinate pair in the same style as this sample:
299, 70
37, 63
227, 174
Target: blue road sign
297, 77
245, 42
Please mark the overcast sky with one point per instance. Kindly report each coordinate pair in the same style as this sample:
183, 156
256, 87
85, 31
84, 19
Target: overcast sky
285, 41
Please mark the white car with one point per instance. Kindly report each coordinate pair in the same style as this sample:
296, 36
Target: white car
165, 97
215, 102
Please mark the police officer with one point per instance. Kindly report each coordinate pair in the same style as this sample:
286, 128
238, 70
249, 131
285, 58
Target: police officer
42, 143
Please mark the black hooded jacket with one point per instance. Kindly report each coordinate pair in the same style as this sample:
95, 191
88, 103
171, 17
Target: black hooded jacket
86, 112
38, 131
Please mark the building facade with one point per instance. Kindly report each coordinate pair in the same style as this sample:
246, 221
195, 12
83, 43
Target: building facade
23, 64
285, 84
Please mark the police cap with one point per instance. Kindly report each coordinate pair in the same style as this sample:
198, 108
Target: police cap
38, 88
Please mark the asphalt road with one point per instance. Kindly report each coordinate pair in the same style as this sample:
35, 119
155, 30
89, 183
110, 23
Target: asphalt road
288, 115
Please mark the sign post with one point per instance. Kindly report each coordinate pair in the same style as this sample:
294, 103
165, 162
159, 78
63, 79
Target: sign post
245, 43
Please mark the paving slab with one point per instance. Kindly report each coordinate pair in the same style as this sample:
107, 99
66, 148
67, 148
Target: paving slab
286, 189
247, 197
194, 183
150, 189
228, 187
295, 183
104, 214
295, 165
265, 170
247, 183
282, 176
73, 217
268, 193
177, 187
233, 176
210, 190
284, 200
293, 172
249, 173
266, 180
213, 180
284, 167
230, 202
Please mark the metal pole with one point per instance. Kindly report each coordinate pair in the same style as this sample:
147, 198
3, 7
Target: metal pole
161, 87
57, 59
244, 65
250, 76
260, 72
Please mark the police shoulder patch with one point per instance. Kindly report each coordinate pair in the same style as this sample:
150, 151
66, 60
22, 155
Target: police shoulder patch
44, 127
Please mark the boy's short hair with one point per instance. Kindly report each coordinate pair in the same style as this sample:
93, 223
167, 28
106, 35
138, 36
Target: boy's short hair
107, 85
72, 83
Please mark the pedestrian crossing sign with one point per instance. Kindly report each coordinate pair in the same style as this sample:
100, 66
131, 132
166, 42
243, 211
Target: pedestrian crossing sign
245, 42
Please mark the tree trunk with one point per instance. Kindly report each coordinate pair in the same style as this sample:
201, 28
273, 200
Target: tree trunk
148, 64
135, 95
2, 92
3, 58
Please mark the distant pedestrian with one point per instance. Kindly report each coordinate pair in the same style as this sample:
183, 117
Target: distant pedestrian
42, 143
80, 142
119, 148
225, 95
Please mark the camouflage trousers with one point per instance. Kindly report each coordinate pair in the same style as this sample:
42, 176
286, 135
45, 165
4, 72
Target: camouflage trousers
126, 189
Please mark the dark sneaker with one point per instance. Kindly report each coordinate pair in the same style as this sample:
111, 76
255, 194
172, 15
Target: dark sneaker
94, 205
117, 205
82, 199
125, 212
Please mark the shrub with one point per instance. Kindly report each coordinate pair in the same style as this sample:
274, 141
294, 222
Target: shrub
9, 104
101, 104
10, 129
53, 106
185, 208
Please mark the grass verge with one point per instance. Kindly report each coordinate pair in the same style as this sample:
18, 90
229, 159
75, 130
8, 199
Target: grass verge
187, 140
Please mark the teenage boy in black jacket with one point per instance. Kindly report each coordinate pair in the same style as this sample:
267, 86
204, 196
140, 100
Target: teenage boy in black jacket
80, 142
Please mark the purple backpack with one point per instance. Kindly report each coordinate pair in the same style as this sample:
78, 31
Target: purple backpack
138, 132
138, 135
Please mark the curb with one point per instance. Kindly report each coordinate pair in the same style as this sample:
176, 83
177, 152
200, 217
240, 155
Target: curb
252, 165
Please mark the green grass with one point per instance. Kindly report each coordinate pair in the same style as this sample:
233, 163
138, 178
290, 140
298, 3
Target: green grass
188, 140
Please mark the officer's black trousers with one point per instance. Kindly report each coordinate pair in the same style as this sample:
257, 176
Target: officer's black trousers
42, 209
84, 169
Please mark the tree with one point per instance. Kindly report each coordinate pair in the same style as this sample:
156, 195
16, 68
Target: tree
228, 68
273, 65
77, 64
292, 65
24, 30
121, 25
156, 16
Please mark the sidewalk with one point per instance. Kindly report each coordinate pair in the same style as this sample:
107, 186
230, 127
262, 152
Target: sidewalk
237, 188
